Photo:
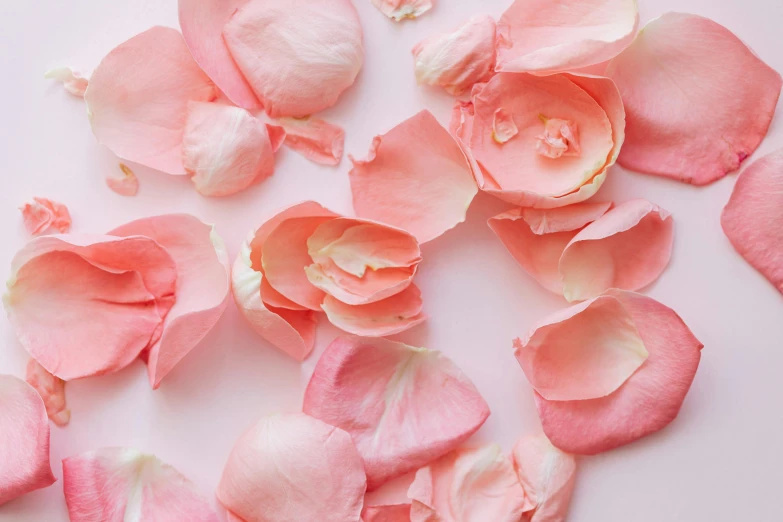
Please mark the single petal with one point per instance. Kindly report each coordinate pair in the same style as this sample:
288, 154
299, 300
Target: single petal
390, 316
72, 81
403, 9
403, 406
127, 185
751, 219
317, 140
689, 118
52, 391
544, 37
203, 285
24, 437
391, 513
503, 128
647, 402
293, 467
627, 248
122, 485
458, 59
297, 58
138, 98
416, 178
468, 485
42, 215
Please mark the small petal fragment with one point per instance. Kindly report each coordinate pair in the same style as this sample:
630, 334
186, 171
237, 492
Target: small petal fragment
52, 391
394, 513
72, 81
390, 316
403, 9
699, 101
43, 215
293, 467
127, 185
560, 138
122, 485
403, 406
503, 128
317, 140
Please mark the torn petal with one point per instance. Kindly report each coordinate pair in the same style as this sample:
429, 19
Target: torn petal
42, 215
72, 81
390, 316
52, 391
391, 513
317, 140
403, 9
503, 128
127, 185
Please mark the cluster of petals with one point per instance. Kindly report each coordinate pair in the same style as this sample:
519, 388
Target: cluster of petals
43, 216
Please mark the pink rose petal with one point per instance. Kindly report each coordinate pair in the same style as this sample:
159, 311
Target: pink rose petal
390, 316
293, 467
24, 439
72, 81
317, 140
42, 215
127, 185
503, 128
415, 178
122, 485
392, 513
403, 9
752, 218
52, 391
138, 98
699, 101
403, 406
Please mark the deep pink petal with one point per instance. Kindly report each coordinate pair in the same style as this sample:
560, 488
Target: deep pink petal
390, 316
317, 140
391, 513
52, 391
42, 215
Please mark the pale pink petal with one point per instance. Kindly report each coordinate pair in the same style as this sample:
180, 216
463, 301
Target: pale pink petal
24, 437
72, 81
293, 468
416, 178
752, 218
503, 128
458, 59
391, 513
544, 37
203, 285
547, 475
52, 391
42, 215
647, 402
127, 185
317, 140
298, 58
138, 98
468, 485
699, 101
390, 316
627, 248
403, 9
124, 485
403, 406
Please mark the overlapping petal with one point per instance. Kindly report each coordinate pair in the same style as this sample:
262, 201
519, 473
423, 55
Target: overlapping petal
125, 185
317, 140
390, 513
52, 391
42, 215
403, 9
390, 316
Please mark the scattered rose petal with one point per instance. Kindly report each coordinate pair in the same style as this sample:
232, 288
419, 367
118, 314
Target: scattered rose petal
25, 428
72, 81
43, 215
138, 98
123, 485
546, 37
317, 140
403, 406
390, 316
752, 218
699, 101
127, 185
560, 138
415, 178
52, 391
503, 128
403, 9
293, 467
392, 513
459, 59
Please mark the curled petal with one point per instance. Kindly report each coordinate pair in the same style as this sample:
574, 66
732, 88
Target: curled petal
391, 513
317, 140
293, 467
403, 9
390, 316
127, 185
403, 406
503, 128
121, 484
52, 391
72, 81
42, 215
699, 101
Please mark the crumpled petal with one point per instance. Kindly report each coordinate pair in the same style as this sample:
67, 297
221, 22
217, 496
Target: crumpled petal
403, 9
503, 128
24, 437
545, 37
403, 406
203, 285
52, 391
647, 402
459, 59
547, 475
127, 185
317, 140
42, 215
122, 485
752, 218
297, 58
226, 149
293, 467
72, 81
416, 178
138, 98
699, 101
468, 485
391, 513
390, 316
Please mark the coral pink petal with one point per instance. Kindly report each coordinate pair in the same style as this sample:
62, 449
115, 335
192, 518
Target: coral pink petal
52, 391
468, 485
293, 467
24, 437
298, 58
138, 98
127, 185
403, 9
42, 215
647, 402
317, 140
390, 316
72, 81
699, 101
403, 406
627, 248
544, 37
123, 485
415, 178
391, 513
752, 218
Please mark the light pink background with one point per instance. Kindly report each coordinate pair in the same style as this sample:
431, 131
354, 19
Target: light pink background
720, 461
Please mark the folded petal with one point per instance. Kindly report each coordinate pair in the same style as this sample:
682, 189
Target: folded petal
317, 140
293, 467
547, 475
390, 316
52, 391
42, 215
403, 9
404, 407
699, 101
392, 513
751, 219
127, 185
72, 81
24, 437
121, 485
545, 37
138, 98
415, 178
